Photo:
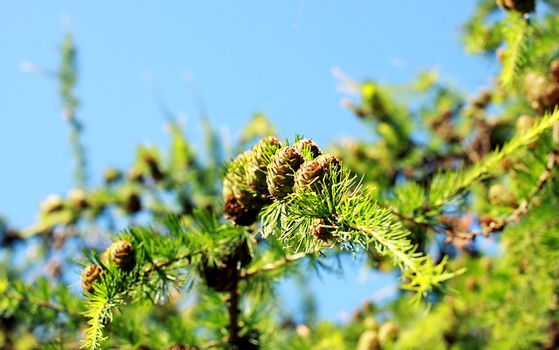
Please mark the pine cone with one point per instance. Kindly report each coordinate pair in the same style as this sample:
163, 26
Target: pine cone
153, 166
133, 203
78, 199
541, 92
219, 277
262, 152
307, 148
388, 332
238, 212
320, 230
522, 6
235, 181
51, 204
329, 161
502, 196
524, 123
369, 340
121, 253
281, 171
135, 174
90, 275
482, 100
111, 176
309, 175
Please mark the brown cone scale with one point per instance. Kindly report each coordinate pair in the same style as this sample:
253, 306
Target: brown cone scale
90, 275
238, 212
281, 171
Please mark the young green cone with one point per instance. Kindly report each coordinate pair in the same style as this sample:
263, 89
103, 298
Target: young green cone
241, 204
281, 171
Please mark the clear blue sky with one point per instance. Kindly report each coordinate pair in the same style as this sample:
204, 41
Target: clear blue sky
245, 56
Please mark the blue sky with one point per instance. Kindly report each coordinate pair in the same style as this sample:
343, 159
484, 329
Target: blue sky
244, 56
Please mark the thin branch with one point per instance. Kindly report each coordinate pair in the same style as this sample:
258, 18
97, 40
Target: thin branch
166, 263
46, 305
276, 264
233, 310
521, 209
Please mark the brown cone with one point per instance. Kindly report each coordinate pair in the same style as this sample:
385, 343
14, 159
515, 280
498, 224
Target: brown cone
307, 148
121, 253
320, 230
309, 176
238, 212
90, 275
281, 171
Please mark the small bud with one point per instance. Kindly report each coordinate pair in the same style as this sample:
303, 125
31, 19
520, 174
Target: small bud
303, 331
135, 175
388, 332
369, 340
482, 100
153, 166
132, 202
524, 123
51, 204
78, 199
90, 275
111, 176
370, 323
121, 253
501, 54
502, 196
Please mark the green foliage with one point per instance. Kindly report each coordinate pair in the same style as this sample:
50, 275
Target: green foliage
455, 197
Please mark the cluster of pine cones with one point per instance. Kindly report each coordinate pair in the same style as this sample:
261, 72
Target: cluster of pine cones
270, 172
120, 253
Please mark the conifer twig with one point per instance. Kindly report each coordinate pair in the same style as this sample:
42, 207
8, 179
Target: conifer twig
522, 208
276, 264
46, 305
